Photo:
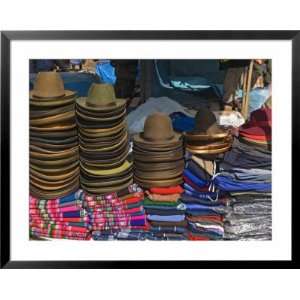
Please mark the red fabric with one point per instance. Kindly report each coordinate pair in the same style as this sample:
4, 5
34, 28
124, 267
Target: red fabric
132, 200
259, 127
257, 133
167, 190
192, 237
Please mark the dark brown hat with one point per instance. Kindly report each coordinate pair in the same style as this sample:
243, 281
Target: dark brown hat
157, 130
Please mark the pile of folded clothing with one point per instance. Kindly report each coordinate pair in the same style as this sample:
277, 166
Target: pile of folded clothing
117, 215
63, 218
246, 174
54, 160
165, 213
103, 141
158, 153
205, 208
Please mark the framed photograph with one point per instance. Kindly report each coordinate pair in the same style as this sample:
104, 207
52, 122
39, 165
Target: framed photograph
149, 149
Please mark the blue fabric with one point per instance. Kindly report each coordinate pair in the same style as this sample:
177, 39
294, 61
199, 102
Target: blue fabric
229, 185
202, 195
171, 218
181, 122
70, 198
106, 72
196, 180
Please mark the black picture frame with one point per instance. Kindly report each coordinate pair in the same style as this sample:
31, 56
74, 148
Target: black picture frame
8, 36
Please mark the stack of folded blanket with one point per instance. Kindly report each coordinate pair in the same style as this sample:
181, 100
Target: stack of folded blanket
165, 213
59, 218
246, 174
204, 208
117, 215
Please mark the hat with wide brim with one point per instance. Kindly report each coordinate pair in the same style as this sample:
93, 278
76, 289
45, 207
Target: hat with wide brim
101, 97
158, 183
107, 189
56, 162
209, 151
108, 172
106, 182
54, 147
53, 170
100, 119
158, 130
49, 86
100, 114
263, 133
211, 146
103, 131
168, 158
54, 135
58, 118
42, 113
54, 128
154, 166
55, 177
54, 186
41, 194
54, 182
158, 175
105, 139
43, 153
53, 103
54, 141
158, 148
99, 125
107, 164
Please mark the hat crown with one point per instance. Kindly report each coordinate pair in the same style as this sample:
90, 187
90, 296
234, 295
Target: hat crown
48, 85
206, 122
101, 95
158, 127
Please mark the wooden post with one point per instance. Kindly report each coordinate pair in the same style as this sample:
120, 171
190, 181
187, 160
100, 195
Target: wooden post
245, 105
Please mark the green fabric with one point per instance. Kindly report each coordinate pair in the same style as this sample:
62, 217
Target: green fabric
148, 202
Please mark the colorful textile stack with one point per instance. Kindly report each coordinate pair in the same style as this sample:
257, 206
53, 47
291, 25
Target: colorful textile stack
165, 213
63, 218
103, 141
54, 165
246, 174
158, 153
117, 215
205, 209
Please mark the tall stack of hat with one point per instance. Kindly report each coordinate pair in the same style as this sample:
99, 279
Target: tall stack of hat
158, 153
54, 166
103, 141
207, 138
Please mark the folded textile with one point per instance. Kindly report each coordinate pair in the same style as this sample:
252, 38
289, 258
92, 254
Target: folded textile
164, 198
149, 203
170, 218
194, 179
167, 190
226, 183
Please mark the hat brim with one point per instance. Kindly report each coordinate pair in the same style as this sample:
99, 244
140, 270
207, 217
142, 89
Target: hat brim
108, 189
67, 94
38, 113
55, 177
209, 151
100, 119
107, 172
158, 175
158, 183
138, 138
81, 102
193, 136
54, 128
63, 117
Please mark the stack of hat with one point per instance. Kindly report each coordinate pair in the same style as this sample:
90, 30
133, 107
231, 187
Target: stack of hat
207, 138
158, 153
59, 218
54, 166
258, 130
103, 141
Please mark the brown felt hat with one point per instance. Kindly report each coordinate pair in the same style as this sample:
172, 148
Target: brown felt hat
101, 97
158, 183
49, 85
157, 130
206, 127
